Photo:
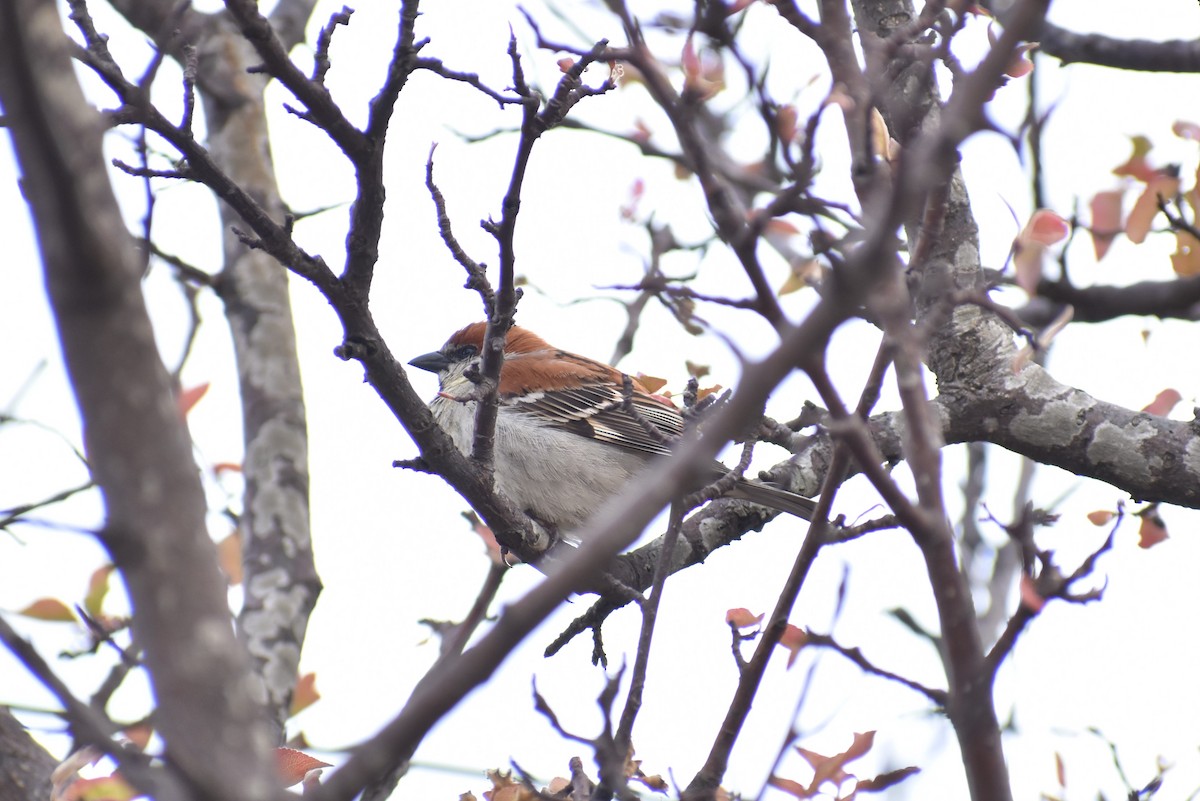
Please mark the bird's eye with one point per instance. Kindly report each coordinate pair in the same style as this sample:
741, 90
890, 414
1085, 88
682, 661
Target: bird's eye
464, 352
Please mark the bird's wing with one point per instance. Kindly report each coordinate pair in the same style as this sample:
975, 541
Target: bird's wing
598, 411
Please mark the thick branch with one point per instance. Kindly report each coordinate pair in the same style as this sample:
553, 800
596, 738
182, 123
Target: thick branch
138, 446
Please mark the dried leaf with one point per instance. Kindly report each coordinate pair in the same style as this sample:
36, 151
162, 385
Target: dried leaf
789, 786
651, 383
1100, 517
565, 65
885, 780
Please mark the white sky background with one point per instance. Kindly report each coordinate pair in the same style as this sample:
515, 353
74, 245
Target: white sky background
391, 548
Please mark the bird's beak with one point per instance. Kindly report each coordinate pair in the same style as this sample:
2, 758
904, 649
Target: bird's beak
433, 362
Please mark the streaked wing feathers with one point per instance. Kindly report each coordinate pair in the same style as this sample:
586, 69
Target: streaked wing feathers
595, 411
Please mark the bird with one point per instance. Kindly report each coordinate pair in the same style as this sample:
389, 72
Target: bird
565, 438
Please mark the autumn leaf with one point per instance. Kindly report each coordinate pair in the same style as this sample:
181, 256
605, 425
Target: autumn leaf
1031, 599
139, 734
97, 590
304, 694
1021, 65
789, 786
804, 273
229, 556
105, 788
703, 77
1186, 130
190, 397
505, 788
1044, 228
1106, 220
1185, 261
1100, 517
485, 533
1152, 531
48, 609
565, 64
651, 383
742, 618
885, 780
1145, 209
292, 765
1025, 354
1163, 402
697, 370
1136, 166
793, 638
787, 122
831, 768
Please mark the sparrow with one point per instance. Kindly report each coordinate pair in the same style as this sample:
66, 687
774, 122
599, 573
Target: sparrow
565, 440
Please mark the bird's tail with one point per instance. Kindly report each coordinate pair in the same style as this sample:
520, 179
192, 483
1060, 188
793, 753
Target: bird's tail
774, 497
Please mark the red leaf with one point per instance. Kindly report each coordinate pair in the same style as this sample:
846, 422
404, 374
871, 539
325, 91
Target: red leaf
293, 765
1100, 517
1106, 220
793, 638
1152, 531
1030, 597
1163, 402
1046, 228
1043, 229
190, 397
742, 618
1136, 166
1021, 65
1142, 215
